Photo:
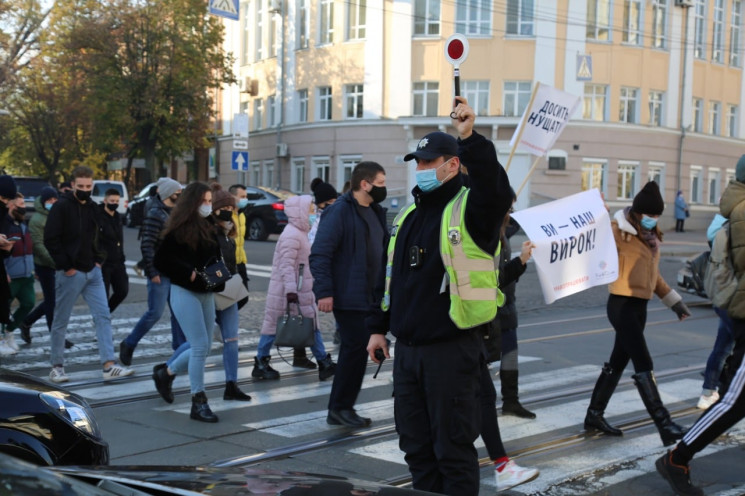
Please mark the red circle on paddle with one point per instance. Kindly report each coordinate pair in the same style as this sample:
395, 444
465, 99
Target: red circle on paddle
455, 49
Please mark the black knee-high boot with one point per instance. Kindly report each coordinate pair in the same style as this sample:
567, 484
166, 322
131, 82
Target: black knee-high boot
670, 432
604, 388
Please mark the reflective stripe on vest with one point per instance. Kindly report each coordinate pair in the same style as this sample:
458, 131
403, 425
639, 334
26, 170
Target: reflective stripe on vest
471, 273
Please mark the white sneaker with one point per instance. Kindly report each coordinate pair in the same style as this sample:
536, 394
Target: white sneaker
58, 375
10, 341
704, 402
116, 371
6, 350
513, 475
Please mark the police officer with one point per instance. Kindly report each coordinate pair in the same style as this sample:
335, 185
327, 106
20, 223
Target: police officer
435, 313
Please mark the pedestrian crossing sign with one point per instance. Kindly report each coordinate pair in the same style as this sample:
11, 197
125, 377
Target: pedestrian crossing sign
584, 67
225, 8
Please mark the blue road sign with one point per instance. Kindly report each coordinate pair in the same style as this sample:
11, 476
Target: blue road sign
225, 8
240, 161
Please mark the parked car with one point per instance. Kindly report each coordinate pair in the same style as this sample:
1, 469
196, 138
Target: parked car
31, 188
135, 213
265, 213
19, 478
47, 425
100, 186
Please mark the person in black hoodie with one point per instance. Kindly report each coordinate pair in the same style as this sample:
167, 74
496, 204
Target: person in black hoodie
71, 238
8, 192
190, 245
111, 233
438, 364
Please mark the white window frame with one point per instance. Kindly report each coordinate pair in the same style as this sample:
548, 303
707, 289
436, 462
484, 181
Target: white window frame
656, 108
729, 176
628, 105
698, 115
321, 167
598, 20
715, 118
656, 173
477, 94
699, 23
302, 102
246, 35
261, 16
271, 111
426, 17
628, 180
593, 94
298, 175
717, 32
326, 22
325, 103
589, 167
735, 34
356, 19
354, 101
515, 97
520, 18
715, 186
258, 117
632, 33
302, 24
732, 115
426, 95
347, 163
255, 167
659, 24
273, 45
473, 17
696, 183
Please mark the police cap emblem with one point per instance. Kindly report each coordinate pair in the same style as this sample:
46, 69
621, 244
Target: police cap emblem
454, 236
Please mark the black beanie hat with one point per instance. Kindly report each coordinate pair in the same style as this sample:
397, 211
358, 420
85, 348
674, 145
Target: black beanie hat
649, 200
8, 187
322, 191
47, 193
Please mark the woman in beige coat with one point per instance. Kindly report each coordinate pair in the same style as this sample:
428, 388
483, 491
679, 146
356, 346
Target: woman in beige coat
638, 241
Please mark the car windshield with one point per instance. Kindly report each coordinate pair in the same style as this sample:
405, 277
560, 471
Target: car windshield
99, 188
31, 188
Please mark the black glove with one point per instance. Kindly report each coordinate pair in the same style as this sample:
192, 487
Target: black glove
681, 310
292, 298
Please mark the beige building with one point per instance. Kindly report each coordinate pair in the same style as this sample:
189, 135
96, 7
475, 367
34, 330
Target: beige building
326, 83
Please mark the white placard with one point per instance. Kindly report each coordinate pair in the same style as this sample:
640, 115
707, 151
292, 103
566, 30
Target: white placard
575, 249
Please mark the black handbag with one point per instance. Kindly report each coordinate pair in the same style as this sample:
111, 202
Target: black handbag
215, 274
295, 331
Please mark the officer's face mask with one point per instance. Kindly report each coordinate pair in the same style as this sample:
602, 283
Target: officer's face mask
648, 223
427, 179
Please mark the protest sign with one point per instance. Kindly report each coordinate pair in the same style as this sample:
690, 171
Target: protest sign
575, 249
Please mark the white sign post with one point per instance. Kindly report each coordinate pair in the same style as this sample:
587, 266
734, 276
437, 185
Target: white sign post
575, 249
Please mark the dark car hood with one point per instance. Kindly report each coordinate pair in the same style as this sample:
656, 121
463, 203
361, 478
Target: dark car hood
23, 382
234, 481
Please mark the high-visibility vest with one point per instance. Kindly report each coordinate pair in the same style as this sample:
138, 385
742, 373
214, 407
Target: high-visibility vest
471, 273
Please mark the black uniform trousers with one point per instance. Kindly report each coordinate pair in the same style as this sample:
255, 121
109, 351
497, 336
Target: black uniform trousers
115, 276
352, 360
437, 407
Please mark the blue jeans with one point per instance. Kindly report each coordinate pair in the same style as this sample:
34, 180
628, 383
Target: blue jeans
196, 314
67, 289
723, 346
157, 298
267, 340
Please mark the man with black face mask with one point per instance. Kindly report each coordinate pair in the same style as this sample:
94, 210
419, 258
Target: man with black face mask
111, 234
71, 236
350, 240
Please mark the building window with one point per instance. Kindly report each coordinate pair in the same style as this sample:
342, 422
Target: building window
259, 30
426, 17
598, 20
699, 22
732, 121
353, 94
730, 176
715, 118
473, 17
356, 14
324, 103
477, 94
735, 34
426, 95
627, 181
520, 17
346, 166
717, 35
593, 175
258, 113
714, 186
632, 10
268, 179
298, 175
321, 168
302, 101
271, 111
628, 104
255, 174
655, 108
698, 115
593, 104
516, 97
696, 184
273, 48
245, 55
326, 26
557, 162
656, 173
659, 23
302, 20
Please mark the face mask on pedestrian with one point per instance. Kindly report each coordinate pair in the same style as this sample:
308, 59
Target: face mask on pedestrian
648, 223
378, 193
205, 210
312, 218
48, 206
81, 195
427, 179
19, 213
242, 203
224, 215
111, 207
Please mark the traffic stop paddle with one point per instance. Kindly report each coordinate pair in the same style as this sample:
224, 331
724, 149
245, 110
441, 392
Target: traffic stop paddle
456, 51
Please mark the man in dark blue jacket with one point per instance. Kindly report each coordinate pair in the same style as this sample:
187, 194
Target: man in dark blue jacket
345, 260
437, 367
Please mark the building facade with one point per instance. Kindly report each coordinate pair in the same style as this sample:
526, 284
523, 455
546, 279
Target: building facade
326, 84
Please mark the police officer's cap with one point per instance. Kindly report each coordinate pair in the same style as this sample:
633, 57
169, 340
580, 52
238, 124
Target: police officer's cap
434, 145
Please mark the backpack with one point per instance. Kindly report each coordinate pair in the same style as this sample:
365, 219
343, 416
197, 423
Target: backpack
720, 281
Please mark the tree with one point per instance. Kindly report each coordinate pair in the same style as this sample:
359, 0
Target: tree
20, 23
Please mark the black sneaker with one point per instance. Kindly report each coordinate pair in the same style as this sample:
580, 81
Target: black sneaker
125, 353
678, 476
25, 332
68, 344
515, 408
